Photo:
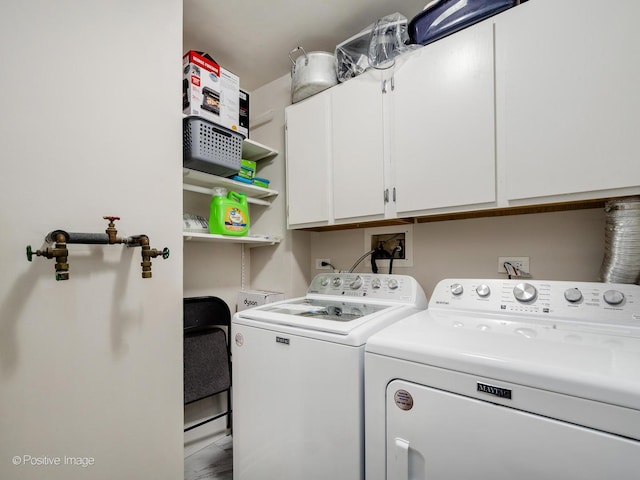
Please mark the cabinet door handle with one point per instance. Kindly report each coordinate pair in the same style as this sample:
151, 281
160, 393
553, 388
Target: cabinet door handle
394, 194
386, 195
384, 85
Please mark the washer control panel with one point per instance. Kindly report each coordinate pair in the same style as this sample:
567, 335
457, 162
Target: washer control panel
591, 302
401, 288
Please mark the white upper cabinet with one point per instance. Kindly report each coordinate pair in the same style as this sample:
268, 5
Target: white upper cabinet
568, 79
358, 148
442, 124
308, 161
335, 155
536, 105
423, 144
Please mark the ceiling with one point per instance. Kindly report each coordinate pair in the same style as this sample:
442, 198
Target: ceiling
253, 38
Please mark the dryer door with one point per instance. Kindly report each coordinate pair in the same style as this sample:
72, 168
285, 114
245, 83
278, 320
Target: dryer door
436, 435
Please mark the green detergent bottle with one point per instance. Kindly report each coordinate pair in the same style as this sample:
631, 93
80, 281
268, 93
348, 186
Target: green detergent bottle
229, 214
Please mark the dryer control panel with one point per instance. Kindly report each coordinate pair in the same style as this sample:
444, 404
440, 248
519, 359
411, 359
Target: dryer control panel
589, 302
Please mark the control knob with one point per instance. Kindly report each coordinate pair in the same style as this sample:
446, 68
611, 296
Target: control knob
356, 283
572, 295
324, 281
483, 290
375, 283
392, 284
457, 289
336, 282
525, 292
613, 297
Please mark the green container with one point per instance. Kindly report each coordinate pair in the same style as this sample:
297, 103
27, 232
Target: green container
229, 215
247, 169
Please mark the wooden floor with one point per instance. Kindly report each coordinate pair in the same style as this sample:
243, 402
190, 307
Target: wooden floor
212, 462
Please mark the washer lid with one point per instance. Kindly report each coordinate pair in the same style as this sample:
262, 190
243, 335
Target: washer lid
598, 365
335, 311
322, 315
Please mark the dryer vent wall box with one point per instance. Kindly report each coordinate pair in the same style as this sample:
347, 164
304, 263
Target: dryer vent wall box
253, 298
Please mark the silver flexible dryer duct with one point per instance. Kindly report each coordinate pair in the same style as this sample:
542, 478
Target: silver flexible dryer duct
621, 263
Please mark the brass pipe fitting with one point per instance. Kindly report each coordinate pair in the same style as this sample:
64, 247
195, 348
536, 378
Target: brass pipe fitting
62, 238
62, 257
59, 252
111, 230
62, 267
148, 253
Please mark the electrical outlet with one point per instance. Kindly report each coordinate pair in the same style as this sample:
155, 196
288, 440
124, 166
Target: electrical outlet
521, 263
319, 263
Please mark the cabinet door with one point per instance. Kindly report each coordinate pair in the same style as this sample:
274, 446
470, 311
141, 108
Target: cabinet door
568, 103
358, 148
442, 128
308, 161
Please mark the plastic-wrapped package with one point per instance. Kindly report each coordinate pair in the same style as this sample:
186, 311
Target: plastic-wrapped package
376, 46
443, 17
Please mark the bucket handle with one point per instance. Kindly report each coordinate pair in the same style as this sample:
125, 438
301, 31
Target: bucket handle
306, 57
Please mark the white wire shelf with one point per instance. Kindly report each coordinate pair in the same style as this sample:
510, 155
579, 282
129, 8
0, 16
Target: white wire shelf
200, 182
249, 240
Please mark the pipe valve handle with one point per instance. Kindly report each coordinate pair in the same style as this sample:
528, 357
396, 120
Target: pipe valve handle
165, 253
29, 253
111, 219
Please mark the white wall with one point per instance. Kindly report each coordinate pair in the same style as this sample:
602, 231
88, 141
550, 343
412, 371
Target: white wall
90, 126
209, 269
282, 268
561, 246
222, 269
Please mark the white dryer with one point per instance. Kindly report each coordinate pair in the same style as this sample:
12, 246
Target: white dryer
298, 380
506, 380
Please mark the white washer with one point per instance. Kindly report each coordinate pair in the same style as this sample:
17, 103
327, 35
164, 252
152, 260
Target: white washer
298, 381
501, 379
